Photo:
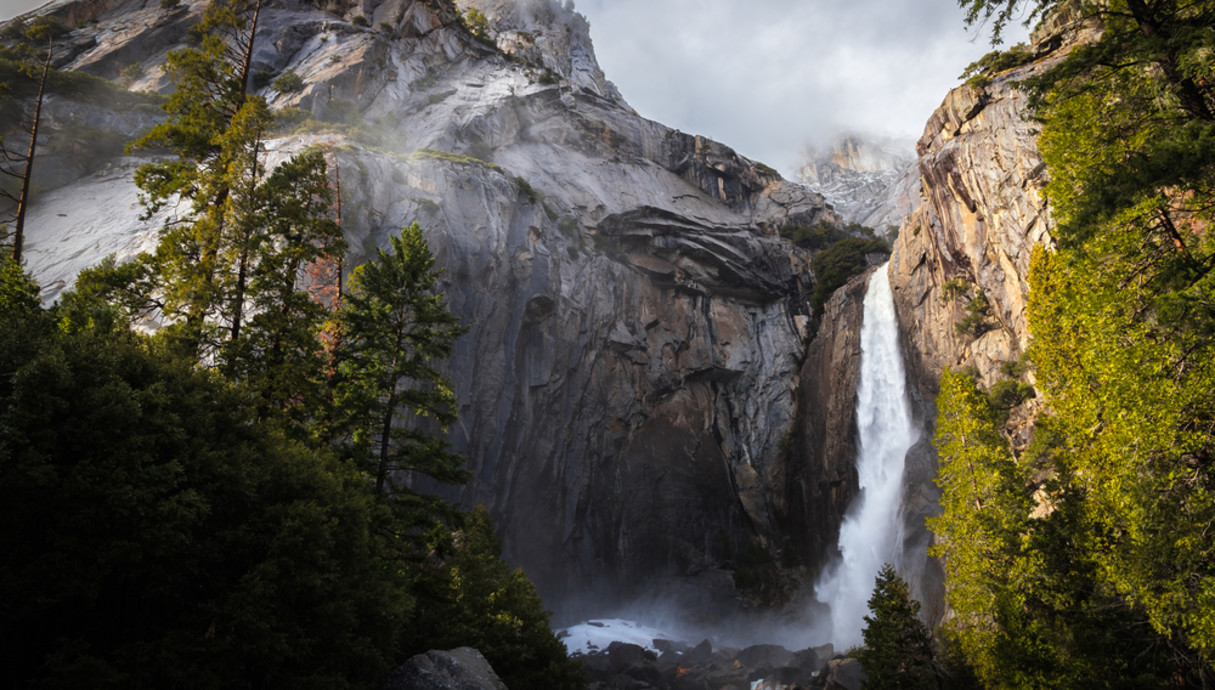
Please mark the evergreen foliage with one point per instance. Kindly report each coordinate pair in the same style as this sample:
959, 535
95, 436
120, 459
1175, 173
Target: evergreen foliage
288, 82
839, 263
1118, 563
482, 603
1030, 607
154, 536
898, 647
394, 326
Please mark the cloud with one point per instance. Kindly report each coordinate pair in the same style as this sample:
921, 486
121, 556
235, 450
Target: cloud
768, 76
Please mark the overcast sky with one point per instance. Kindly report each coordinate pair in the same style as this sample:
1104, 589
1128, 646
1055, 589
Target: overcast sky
767, 76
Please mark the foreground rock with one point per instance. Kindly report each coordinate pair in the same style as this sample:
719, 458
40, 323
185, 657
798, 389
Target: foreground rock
769, 667
459, 669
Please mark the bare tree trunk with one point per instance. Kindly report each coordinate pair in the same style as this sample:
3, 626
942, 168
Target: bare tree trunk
24, 199
246, 66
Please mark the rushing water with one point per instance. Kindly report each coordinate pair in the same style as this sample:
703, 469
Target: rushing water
871, 533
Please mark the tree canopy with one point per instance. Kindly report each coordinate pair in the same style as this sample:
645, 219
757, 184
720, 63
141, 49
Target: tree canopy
1096, 550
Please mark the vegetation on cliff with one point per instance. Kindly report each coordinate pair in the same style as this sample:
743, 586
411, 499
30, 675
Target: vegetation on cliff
1086, 560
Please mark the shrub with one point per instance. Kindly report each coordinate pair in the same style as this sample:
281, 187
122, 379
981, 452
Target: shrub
952, 288
1006, 394
1013, 369
131, 74
526, 189
975, 323
170, 4
288, 82
478, 24
360, 20
978, 73
839, 263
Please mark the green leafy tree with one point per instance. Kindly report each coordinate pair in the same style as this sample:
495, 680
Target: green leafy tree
390, 396
226, 274
1030, 607
898, 649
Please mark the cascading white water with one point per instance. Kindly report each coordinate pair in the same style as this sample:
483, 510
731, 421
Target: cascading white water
871, 533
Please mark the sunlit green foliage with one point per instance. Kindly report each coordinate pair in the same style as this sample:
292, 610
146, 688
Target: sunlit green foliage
1119, 554
1030, 608
477, 23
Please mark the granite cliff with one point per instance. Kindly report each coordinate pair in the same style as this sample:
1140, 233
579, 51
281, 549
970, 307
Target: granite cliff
645, 392
638, 327
960, 264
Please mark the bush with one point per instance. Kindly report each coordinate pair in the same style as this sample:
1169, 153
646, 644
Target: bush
478, 24
170, 4
839, 263
526, 189
131, 74
978, 73
1006, 394
360, 20
975, 323
1013, 369
288, 82
952, 288
482, 603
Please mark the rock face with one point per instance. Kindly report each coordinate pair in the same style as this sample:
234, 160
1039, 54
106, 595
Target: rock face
821, 479
637, 325
867, 180
980, 216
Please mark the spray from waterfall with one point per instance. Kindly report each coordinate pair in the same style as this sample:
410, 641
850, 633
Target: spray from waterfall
871, 533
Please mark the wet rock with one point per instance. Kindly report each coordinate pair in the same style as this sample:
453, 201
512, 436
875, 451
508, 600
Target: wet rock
766, 656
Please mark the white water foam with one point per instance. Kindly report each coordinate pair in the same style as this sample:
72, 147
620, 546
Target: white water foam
871, 533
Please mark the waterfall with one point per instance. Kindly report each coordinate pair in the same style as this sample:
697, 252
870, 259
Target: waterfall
871, 533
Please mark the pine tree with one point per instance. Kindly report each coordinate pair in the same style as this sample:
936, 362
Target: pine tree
10, 161
898, 647
392, 400
226, 273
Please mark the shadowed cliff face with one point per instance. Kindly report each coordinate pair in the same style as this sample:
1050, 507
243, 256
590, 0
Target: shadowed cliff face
637, 328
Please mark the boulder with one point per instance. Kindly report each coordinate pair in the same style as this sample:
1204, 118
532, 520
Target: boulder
458, 669
844, 674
